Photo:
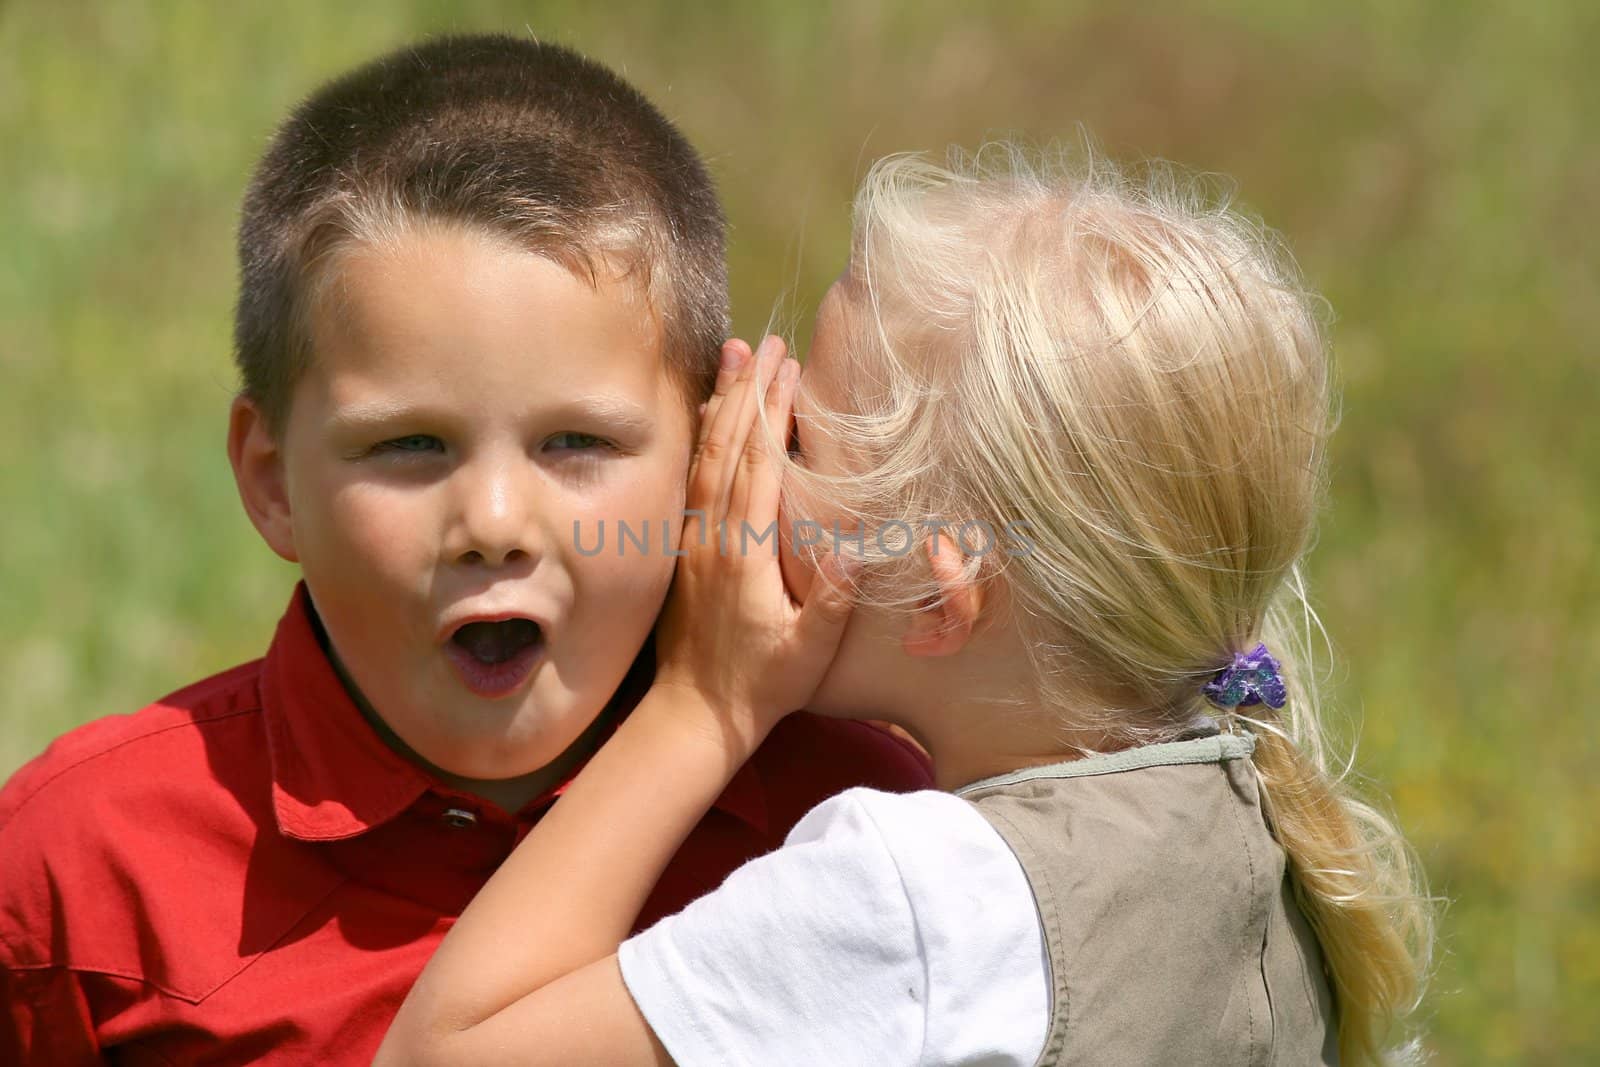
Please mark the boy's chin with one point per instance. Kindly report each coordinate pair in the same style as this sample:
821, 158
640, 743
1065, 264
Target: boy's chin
493, 761
513, 772
469, 758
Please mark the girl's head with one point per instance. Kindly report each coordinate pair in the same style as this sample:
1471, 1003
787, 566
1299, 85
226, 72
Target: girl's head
1113, 398
1116, 396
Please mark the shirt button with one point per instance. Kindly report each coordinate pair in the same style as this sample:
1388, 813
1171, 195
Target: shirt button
459, 818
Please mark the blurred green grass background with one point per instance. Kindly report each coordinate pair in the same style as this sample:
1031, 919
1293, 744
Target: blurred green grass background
1430, 162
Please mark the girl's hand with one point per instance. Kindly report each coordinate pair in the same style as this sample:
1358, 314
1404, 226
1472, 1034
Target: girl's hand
730, 631
529, 973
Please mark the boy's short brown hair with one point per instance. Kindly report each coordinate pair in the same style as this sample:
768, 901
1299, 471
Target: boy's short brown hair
523, 139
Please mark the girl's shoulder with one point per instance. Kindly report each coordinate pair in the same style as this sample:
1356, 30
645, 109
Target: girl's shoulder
905, 825
893, 919
933, 854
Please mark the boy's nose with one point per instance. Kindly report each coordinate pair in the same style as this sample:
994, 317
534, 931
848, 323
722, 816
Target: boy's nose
495, 524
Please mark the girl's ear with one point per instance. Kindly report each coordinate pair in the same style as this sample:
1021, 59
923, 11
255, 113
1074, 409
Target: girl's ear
258, 472
945, 621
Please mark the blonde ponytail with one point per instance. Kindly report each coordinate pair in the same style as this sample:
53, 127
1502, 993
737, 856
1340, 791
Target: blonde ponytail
1354, 875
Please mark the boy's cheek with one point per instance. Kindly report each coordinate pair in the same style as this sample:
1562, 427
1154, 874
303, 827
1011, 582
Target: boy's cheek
353, 533
637, 580
672, 532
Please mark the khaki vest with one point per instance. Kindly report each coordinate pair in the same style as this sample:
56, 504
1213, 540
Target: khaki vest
1171, 931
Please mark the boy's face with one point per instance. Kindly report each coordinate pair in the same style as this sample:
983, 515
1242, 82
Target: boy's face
473, 410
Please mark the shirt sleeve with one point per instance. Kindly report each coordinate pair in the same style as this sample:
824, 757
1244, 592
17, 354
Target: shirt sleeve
848, 946
46, 1019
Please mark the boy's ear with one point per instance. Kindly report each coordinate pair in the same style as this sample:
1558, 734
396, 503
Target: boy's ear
259, 473
945, 621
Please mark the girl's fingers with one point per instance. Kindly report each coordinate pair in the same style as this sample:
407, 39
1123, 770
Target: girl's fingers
750, 394
717, 430
724, 432
828, 605
735, 354
734, 358
756, 487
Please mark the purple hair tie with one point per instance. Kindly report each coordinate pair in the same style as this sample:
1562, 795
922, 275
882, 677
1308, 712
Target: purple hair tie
1252, 678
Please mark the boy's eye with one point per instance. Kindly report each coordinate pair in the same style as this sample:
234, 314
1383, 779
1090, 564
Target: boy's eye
416, 442
573, 441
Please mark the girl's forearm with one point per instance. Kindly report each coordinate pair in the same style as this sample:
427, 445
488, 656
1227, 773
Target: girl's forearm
570, 892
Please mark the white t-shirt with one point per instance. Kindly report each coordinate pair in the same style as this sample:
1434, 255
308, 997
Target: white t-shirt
890, 929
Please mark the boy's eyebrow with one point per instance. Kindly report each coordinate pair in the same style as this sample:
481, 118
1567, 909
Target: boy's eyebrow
611, 410
377, 414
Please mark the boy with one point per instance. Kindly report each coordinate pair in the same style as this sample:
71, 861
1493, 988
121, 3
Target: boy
482, 293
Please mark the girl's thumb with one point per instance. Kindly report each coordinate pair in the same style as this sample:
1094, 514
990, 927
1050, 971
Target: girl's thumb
833, 597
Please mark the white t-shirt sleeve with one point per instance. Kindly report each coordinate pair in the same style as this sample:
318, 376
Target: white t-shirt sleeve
890, 929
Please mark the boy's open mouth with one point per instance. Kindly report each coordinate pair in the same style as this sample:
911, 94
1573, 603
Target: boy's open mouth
497, 642
495, 658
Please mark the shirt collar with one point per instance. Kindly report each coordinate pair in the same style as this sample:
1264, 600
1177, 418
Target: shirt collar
333, 777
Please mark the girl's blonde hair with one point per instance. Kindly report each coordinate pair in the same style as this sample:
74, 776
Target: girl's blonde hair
1131, 381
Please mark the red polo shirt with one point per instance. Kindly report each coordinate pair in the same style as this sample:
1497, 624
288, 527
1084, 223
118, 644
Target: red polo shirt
245, 873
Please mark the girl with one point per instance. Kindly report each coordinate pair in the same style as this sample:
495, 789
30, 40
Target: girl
1060, 442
